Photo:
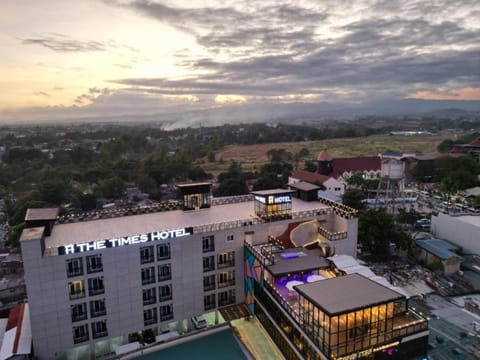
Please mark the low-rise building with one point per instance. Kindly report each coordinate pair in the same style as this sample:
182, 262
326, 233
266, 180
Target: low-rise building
438, 251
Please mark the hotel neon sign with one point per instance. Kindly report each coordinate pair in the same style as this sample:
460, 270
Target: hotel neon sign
271, 199
367, 352
123, 241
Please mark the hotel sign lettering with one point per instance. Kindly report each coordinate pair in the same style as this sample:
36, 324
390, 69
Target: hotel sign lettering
123, 241
368, 351
271, 199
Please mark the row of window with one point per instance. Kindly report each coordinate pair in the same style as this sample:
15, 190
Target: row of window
75, 266
76, 288
164, 273
79, 311
151, 316
81, 333
226, 278
147, 253
165, 312
150, 295
224, 298
224, 260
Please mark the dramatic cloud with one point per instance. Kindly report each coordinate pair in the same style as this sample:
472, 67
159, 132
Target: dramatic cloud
145, 56
383, 47
41, 93
92, 95
62, 43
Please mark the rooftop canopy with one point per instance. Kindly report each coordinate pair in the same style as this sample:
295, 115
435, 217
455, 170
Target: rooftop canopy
334, 295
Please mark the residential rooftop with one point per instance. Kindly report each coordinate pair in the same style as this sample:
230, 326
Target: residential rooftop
340, 289
439, 248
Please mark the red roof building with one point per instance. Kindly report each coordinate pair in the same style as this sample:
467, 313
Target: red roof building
17, 334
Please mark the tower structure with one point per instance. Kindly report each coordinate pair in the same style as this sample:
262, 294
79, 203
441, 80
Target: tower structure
391, 187
324, 163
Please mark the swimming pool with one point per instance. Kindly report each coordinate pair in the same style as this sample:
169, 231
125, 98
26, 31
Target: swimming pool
218, 346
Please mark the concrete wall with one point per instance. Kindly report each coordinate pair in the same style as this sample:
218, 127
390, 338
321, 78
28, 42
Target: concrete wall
457, 231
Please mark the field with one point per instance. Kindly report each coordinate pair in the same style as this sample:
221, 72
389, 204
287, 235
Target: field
253, 156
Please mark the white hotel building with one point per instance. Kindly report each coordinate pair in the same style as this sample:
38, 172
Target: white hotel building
93, 283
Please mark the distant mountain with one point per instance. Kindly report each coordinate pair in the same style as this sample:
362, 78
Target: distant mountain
290, 112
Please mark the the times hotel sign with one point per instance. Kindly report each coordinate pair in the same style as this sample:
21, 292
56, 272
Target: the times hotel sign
123, 241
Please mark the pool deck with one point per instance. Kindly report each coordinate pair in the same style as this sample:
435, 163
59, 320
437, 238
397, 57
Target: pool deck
256, 340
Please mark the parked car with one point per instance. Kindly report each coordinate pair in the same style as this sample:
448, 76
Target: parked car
199, 322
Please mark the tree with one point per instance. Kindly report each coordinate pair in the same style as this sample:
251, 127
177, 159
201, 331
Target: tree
376, 230
353, 198
232, 182
112, 188
310, 166
14, 234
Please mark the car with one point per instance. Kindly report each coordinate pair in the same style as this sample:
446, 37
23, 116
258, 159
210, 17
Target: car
199, 322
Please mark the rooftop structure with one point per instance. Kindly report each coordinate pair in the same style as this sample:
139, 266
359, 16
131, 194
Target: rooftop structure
312, 309
41, 214
340, 290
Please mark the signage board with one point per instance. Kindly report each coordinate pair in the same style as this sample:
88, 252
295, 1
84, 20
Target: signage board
123, 241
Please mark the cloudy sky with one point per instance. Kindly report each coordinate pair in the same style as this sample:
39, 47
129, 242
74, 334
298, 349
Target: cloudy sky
67, 59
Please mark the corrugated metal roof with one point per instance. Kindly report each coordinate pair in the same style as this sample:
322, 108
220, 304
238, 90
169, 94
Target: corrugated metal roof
439, 248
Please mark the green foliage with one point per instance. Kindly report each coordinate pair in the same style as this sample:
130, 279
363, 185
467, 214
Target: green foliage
16, 210
232, 182
407, 217
111, 188
353, 198
453, 173
447, 145
14, 234
436, 267
476, 201
376, 230
310, 166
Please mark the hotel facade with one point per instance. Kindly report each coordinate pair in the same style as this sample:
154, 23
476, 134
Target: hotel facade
96, 283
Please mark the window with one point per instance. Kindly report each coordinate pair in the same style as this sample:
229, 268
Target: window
99, 329
163, 251
208, 263
149, 296
74, 267
226, 278
209, 282
146, 255
208, 243
94, 264
226, 298
76, 289
97, 308
226, 260
230, 237
80, 333
166, 312
164, 272
79, 312
95, 286
148, 275
165, 293
209, 302
150, 316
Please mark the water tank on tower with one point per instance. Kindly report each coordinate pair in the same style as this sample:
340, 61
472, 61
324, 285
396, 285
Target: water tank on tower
392, 169
390, 192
